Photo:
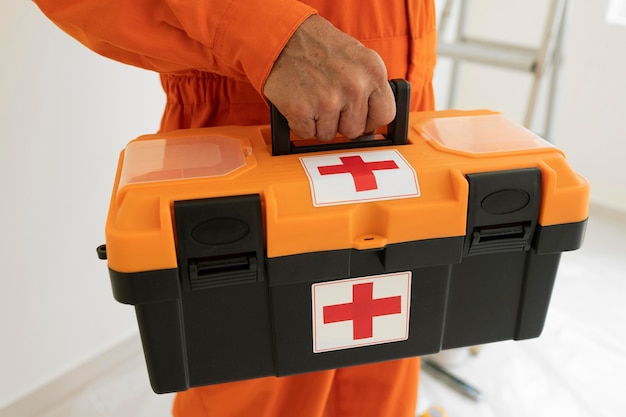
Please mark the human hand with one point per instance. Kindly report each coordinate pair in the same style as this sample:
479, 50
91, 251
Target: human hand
325, 81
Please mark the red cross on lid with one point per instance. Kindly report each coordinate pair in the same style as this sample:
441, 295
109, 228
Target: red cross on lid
362, 172
354, 177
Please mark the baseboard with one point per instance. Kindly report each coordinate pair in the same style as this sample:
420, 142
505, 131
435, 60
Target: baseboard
56, 391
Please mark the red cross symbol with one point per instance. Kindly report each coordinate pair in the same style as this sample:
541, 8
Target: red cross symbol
362, 172
362, 310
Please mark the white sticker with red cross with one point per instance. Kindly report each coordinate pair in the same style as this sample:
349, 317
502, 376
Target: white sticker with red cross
361, 311
355, 177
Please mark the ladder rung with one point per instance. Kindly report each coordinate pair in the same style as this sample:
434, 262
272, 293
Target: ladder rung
491, 53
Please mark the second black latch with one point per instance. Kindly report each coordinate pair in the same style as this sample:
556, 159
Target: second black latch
508, 238
503, 210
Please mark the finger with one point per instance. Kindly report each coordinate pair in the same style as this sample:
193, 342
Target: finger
353, 119
326, 125
382, 108
302, 126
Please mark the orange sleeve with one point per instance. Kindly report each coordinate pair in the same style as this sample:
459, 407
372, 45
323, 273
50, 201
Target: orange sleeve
240, 39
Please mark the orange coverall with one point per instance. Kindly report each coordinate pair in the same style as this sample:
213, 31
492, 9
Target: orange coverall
214, 57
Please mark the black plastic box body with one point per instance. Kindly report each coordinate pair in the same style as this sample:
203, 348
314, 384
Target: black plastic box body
230, 313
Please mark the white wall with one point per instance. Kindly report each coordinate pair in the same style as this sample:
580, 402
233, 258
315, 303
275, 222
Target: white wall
589, 121
65, 114
484, 87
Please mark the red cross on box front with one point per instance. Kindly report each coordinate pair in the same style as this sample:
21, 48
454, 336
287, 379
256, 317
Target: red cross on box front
359, 177
361, 311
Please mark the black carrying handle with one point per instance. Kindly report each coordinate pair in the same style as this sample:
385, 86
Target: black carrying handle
397, 130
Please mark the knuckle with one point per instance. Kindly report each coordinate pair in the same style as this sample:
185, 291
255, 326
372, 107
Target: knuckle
330, 103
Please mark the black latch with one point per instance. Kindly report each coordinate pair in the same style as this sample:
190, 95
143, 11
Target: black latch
503, 210
508, 238
218, 272
219, 241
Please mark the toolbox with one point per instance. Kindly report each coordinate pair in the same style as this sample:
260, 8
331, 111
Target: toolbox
249, 253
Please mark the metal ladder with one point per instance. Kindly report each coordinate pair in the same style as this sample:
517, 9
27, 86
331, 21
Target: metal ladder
536, 61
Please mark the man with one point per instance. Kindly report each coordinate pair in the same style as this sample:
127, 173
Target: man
325, 65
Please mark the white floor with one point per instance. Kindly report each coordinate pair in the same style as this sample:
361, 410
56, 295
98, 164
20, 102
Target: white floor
576, 368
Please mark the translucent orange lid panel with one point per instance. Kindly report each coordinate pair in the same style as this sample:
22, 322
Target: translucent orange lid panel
481, 134
181, 158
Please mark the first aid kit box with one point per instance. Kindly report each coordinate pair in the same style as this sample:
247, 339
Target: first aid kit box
249, 253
